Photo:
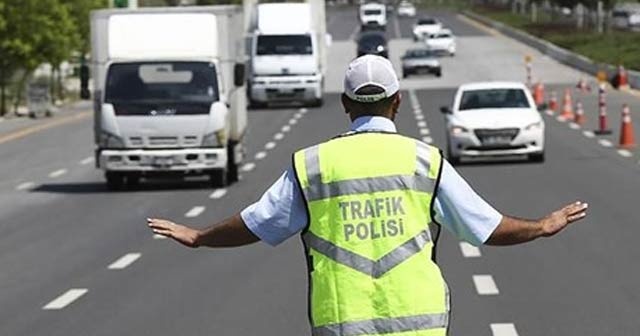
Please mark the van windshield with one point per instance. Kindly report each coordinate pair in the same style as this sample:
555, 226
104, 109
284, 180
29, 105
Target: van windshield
372, 12
284, 45
493, 98
161, 88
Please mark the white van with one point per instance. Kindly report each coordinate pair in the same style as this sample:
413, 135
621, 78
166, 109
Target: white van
373, 15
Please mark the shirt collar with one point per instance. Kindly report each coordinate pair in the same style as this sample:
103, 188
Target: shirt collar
373, 123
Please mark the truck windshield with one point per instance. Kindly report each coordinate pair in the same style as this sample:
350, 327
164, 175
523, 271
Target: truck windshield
493, 98
162, 83
284, 45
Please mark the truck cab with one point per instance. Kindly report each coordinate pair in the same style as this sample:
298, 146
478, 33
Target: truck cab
373, 16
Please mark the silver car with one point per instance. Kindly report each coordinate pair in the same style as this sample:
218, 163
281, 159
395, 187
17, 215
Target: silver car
420, 60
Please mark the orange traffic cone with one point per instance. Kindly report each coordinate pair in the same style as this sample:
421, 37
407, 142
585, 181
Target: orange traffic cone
538, 94
583, 86
567, 106
621, 81
627, 140
553, 102
580, 118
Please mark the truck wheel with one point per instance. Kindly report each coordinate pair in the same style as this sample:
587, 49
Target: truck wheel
232, 166
219, 178
115, 180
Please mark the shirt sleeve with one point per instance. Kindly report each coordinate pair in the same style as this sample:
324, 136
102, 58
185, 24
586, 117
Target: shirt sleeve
280, 213
461, 210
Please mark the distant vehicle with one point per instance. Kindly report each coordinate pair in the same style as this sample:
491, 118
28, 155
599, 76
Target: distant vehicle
494, 119
420, 60
442, 41
287, 56
626, 16
169, 97
373, 14
407, 9
374, 43
424, 27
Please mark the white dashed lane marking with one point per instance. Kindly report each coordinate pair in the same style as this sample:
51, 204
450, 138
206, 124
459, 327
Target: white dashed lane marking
292, 121
589, 134
247, 167
278, 136
124, 261
86, 161
270, 145
485, 285
159, 236
303, 110
427, 139
25, 186
65, 299
195, 211
422, 124
261, 155
469, 251
218, 193
424, 131
625, 153
285, 128
57, 173
419, 117
503, 329
561, 119
605, 143
574, 126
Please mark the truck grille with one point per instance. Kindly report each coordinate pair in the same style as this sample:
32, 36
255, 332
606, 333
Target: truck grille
496, 137
163, 141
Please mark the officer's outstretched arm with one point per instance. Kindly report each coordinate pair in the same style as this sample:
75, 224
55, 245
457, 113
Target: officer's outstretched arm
228, 233
513, 230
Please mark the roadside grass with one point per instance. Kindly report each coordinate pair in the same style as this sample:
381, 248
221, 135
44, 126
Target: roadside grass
615, 47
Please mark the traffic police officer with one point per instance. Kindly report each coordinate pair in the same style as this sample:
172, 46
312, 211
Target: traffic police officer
364, 203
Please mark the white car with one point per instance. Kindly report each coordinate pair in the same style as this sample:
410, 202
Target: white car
424, 27
405, 8
442, 41
373, 14
494, 119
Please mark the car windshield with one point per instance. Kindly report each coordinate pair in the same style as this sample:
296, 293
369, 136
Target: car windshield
493, 98
372, 12
284, 45
441, 35
420, 53
179, 82
426, 22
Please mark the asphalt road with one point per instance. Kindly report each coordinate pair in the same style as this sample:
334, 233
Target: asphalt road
61, 230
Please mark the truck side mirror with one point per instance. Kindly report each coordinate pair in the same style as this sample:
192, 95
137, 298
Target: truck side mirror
84, 82
445, 110
238, 74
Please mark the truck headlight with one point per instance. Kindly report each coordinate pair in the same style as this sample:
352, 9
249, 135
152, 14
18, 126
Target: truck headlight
214, 139
534, 126
108, 140
458, 130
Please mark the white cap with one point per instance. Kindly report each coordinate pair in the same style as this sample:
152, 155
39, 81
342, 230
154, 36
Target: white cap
370, 70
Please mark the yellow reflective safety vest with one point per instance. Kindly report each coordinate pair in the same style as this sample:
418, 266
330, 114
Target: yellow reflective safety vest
369, 197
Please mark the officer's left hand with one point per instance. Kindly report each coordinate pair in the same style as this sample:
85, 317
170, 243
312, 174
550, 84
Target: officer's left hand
180, 233
560, 219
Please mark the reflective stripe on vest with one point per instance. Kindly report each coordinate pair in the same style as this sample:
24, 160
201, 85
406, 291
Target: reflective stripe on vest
369, 199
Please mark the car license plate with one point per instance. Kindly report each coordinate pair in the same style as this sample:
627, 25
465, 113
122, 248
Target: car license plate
163, 161
496, 140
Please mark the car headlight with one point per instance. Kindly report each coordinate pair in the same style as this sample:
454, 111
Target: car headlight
534, 126
214, 139
108, 140
458, 130
380, 48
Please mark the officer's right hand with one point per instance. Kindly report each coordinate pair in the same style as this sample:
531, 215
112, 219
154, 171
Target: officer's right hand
560, 219
180, 233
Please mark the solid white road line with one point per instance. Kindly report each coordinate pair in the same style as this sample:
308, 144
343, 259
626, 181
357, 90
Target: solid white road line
25, 186
57, 173
124, 261
261, 155
605, 143
503, 329
589, 134
424, 131
485, 285
158, 236
218, 193
247, 167
278, 136
469, 251
195, 211
270, 145
427, 139
574, 126
286, 128
65, 299
87, 160
625, 153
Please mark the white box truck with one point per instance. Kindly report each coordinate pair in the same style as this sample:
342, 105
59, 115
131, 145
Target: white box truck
288, 53
169, 94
